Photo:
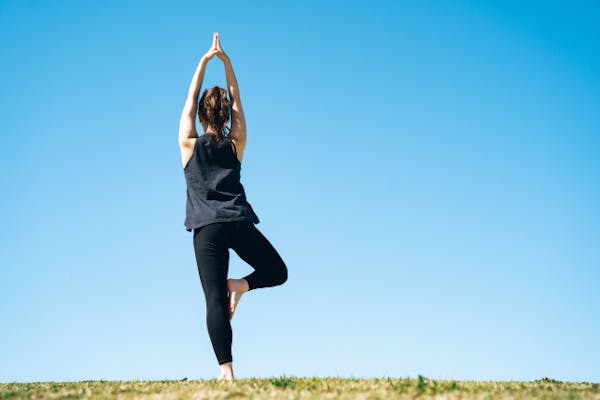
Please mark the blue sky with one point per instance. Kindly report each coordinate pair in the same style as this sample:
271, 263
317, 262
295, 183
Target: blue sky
429, 171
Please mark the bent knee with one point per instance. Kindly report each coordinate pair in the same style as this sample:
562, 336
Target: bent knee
283, 274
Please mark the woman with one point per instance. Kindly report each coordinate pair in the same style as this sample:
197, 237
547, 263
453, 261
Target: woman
217, 209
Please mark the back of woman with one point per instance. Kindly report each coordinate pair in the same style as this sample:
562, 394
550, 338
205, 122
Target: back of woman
214, 190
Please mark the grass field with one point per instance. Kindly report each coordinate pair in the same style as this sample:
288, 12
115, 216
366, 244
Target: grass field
290, 387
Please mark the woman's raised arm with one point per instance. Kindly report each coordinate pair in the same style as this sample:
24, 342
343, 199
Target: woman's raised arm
238, 120
187, 122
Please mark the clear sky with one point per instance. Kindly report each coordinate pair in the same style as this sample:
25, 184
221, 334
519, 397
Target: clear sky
429, 171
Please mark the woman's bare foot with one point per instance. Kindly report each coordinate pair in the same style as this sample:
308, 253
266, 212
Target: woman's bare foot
236, 287
225, 378
226, 372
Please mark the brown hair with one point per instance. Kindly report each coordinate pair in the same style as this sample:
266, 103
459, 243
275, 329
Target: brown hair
214, 107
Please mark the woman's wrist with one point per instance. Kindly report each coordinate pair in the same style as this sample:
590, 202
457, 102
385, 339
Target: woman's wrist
225, 59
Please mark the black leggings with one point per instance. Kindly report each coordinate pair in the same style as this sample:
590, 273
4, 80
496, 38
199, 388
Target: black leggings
211, 245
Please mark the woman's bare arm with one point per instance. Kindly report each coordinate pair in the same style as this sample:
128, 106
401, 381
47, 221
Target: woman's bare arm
187, 122
238, 120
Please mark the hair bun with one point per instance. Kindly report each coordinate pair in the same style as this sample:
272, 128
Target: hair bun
215, 108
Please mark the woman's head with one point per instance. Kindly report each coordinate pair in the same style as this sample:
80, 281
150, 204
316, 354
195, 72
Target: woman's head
214, 110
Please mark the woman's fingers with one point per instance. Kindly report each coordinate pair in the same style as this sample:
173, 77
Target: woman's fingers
218, 42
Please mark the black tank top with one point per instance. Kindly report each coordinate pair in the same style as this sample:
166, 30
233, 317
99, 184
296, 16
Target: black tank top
214, 190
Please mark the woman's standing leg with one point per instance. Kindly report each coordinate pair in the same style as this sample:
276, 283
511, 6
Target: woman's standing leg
212, 257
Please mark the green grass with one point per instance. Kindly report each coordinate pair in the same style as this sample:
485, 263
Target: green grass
290, 387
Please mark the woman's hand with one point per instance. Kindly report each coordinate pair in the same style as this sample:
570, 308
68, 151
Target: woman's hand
214, 50
220, 53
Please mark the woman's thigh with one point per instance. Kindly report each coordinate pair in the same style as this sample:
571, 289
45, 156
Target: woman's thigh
212, 257
254, 248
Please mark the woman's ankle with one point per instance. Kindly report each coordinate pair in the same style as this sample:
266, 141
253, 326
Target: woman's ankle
246, 284
226, 367
226, 370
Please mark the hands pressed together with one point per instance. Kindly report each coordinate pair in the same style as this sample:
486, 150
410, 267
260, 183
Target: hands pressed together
216, 50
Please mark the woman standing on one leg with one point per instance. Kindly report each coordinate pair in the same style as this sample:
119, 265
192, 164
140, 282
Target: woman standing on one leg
217, 209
